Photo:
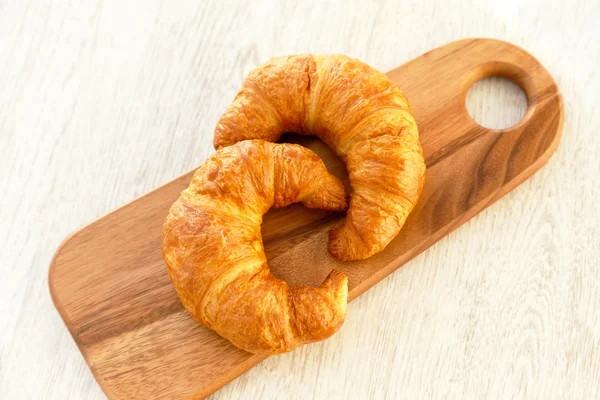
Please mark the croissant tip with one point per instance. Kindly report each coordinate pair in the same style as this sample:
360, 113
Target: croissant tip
341, 205
337, 276
335, 246
342, 248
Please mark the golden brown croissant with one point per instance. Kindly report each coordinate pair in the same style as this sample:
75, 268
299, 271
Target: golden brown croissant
362, 115
213, 248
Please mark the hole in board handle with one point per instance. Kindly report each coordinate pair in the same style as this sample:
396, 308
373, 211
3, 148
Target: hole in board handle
496, 102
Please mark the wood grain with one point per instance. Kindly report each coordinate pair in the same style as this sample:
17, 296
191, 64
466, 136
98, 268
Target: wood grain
110, 285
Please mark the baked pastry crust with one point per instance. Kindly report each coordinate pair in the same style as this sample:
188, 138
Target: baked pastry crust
362, 115
213, 248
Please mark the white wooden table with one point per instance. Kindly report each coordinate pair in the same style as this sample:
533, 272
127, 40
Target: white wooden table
101, 101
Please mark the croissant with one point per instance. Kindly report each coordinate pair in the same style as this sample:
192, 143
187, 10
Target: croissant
360, 114
213, 248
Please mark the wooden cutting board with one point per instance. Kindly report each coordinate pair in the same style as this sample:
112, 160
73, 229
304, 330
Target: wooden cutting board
110, 286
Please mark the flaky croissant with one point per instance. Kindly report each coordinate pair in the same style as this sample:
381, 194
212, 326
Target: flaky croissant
213, 248
362, 115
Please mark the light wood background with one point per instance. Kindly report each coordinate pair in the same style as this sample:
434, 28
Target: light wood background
101, 101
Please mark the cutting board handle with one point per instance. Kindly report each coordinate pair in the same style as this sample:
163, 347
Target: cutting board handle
437, 83
519, 66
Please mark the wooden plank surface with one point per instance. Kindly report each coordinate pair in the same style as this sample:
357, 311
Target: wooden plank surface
110, 285
100, 103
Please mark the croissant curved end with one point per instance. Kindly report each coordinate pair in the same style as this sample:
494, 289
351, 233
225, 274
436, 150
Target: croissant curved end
345, 246
319, 312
